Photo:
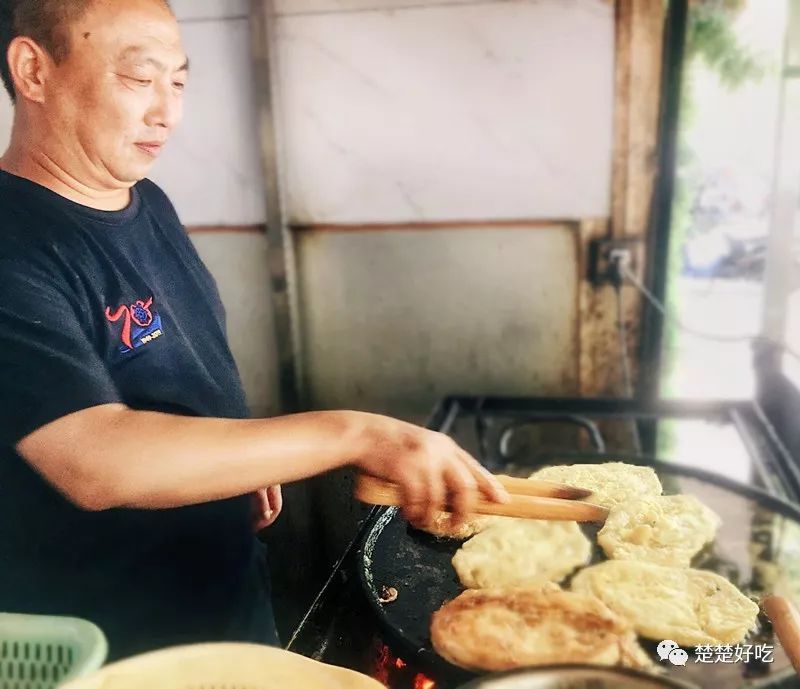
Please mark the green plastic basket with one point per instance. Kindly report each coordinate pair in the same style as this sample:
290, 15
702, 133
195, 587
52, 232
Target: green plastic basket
41, 652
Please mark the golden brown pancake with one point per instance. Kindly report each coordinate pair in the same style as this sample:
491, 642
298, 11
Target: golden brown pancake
442, 527
692, 607
664, 529
610, 483
521, 552
506, 628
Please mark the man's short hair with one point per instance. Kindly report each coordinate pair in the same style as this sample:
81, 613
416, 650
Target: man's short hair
45, 21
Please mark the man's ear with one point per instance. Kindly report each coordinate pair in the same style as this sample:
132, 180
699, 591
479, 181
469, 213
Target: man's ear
29, 65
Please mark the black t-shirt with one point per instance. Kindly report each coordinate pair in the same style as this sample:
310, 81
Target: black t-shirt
99, 307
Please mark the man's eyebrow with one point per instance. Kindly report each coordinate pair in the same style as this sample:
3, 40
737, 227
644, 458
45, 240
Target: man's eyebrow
134, 50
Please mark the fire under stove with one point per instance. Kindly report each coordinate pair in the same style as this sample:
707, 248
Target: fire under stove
732, 440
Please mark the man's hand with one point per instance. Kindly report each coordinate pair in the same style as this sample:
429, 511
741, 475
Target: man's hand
267, 505
432, 470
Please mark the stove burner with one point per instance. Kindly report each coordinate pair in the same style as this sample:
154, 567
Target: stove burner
342, 629
396, 673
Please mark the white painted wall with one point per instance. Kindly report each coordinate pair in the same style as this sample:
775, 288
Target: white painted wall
394, 111
284, 7
194, 10
399, 110
408, 110
212, 167
239, 262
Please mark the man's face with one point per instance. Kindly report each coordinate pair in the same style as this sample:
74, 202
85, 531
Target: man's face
116, 98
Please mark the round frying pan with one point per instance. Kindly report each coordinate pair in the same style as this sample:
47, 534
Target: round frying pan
757, 548
574, 677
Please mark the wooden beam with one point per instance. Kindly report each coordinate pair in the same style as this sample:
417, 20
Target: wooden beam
639, 38
622, 101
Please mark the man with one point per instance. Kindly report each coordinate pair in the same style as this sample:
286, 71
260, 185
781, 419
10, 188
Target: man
127, 463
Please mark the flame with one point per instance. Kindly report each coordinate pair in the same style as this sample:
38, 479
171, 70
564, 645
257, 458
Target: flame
423, 682
382, 665
390, 669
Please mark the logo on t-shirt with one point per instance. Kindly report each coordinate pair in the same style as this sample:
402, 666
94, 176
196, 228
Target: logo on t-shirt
140, 323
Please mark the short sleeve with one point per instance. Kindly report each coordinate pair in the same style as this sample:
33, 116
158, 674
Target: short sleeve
48, 365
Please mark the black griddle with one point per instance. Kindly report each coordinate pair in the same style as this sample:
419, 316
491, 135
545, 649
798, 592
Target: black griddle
759, 538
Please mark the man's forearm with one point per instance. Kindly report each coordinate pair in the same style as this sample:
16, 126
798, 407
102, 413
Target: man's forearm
112, 456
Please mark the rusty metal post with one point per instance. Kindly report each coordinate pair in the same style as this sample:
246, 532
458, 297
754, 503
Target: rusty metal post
297, 561
282, 266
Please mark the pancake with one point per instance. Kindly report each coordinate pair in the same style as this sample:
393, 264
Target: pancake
664, 529
441, 527
610, 483
690, 606
506, 628
521, 552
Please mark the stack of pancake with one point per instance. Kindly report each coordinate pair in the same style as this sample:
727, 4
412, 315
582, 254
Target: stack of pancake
515, 614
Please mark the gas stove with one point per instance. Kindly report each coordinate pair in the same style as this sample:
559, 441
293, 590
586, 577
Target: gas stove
734, 439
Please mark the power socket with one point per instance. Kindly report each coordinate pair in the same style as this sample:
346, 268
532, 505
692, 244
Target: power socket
603, 253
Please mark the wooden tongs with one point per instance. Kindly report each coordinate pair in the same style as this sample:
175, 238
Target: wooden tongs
530, 499
785, 620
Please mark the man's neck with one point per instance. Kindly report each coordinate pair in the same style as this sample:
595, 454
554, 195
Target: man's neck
34, 164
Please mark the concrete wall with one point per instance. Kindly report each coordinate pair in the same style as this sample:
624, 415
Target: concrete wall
465, 113
414, 111
394, 320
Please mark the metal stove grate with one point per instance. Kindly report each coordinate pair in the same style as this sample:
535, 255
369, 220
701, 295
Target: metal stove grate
341, 629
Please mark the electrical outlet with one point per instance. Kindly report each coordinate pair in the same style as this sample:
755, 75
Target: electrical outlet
602, 253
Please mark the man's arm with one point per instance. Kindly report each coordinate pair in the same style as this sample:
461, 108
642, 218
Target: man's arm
64, 414
112, 456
